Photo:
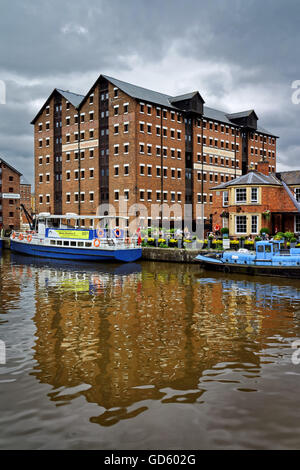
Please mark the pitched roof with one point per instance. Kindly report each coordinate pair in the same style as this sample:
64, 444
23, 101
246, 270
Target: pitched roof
141, 93
252, 178
155, 97
289, 177
9, 166
186, 96
162, 99
74, 98
241, 114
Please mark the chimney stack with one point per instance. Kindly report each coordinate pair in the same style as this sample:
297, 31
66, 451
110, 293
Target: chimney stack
263, 167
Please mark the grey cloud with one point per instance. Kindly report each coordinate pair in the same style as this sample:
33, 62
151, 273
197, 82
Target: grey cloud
249, 45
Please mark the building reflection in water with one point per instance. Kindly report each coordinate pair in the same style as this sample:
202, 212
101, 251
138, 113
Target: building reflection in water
125, 335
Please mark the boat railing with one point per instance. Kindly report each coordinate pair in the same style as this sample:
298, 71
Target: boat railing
112, 243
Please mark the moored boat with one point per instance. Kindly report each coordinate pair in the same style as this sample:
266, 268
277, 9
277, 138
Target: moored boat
53, 236
269, 259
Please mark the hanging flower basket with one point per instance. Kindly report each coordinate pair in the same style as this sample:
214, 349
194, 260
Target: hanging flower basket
225, 215
266, 214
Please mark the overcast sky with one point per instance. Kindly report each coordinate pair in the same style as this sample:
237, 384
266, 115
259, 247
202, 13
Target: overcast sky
239, 55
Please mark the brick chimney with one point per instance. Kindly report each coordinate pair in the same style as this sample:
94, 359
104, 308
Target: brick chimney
263, 167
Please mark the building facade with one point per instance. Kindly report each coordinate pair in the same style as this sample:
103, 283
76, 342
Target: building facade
26, 200
258, 200
9, 196
123, 141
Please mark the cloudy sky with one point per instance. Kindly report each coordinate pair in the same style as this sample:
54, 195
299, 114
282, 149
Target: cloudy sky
239, 54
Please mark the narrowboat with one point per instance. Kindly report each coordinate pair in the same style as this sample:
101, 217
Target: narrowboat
66, 237
268, 259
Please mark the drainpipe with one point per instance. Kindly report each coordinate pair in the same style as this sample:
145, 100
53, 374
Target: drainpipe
79, 164
162, 169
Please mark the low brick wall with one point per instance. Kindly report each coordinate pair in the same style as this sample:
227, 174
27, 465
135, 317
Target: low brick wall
170, 254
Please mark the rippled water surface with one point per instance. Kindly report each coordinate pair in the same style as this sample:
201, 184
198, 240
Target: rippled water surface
146, 356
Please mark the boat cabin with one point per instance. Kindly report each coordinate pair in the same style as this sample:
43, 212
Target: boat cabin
267, 249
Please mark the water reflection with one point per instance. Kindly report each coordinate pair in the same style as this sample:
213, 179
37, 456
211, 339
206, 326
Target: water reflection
125, 336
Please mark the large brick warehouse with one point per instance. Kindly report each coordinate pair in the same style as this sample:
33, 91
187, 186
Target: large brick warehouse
121, 140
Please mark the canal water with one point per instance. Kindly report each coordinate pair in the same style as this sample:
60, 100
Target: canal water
146, 356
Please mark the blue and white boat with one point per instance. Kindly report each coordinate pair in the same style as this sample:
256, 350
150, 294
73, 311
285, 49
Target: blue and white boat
269, 259
66, 237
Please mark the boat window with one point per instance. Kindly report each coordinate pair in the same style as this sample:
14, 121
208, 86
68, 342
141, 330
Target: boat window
275, 248
80, 244
66, 243
260, 249
52, 242
53, 223
73, 243
268, 248
88, 244
59, 242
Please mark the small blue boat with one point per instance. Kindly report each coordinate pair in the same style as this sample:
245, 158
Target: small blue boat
1, 243
269, 259
65, 237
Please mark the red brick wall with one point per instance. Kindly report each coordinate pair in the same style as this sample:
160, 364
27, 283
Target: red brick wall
25, 192
40, 165
10, 207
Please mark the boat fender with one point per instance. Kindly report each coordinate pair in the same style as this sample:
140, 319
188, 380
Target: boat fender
127, 241
21, 236
96, 243
29, 238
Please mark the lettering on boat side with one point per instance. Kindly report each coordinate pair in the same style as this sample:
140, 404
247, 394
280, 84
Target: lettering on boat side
296, 354
2, 353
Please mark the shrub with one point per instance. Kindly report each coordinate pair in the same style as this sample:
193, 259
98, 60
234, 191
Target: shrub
264, 230
257, 239
288, 235
224, 230
293, 240
280, 235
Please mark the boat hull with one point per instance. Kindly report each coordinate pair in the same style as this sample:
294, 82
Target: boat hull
1, 244
255, 270
96, 255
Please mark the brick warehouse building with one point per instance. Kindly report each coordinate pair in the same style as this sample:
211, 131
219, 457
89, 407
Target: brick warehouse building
257, 200
123, 140
25, 199
9, 196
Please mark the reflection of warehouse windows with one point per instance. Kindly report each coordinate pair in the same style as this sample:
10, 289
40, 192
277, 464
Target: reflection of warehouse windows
297, 194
